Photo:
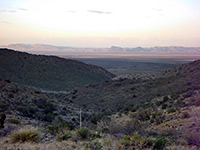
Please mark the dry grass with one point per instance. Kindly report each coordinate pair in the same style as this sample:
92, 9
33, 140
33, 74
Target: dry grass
25, 135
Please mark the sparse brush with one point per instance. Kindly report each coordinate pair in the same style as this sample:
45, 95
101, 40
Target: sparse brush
64, 136
83, 133
25, 135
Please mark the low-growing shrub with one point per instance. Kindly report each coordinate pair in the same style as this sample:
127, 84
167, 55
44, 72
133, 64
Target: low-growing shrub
49, 117
159, 143
164, 106
3, 107
165, 99
193, 139
59, 127
157, 118
128, 128
83, 133
184, 115
94, 145
25, 135
135, 142
64, 136
171, 110
2, 120
95, 118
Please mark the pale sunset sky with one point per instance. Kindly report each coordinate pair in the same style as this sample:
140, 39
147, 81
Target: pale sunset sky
101, 23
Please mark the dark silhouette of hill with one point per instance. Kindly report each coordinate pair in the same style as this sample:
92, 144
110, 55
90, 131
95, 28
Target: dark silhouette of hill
48, 72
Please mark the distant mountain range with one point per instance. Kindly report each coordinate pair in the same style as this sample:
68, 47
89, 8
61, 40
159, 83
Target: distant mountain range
51, 49
48, 72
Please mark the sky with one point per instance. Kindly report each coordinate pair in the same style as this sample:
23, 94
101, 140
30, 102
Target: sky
101, 23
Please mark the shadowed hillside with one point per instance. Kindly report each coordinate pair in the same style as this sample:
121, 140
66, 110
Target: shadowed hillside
115, 95
48, 72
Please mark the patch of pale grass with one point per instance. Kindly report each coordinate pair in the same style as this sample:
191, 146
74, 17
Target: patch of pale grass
28, 134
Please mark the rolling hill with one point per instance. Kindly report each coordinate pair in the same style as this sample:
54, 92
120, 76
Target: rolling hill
48, 72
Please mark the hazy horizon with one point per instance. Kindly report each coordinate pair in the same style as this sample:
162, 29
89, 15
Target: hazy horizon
99, 24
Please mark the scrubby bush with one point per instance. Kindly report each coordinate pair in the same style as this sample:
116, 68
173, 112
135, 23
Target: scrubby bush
2, 120
83, 133
164, 106
3, 107
48, 117
193, 138
128, 128
159, 143
184, 115
49, 108
59, 127
143, 115
25, 135
165, 99
171, 110
105, 130
64, 136
94, 145
135, 142
157, 118
95, 118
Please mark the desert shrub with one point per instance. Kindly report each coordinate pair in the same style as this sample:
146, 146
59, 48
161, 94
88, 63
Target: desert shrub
49, 117
7, 130
134, 96
49, 108
189, 94
157, 118
94, 145
107, 142
2, 120
143, 115
105, 130
126, 141
95, 118
26, 111
25, 135
159, 143
164, 106
59, 127
165, 99
135, 142
3, 107
13, 121
184, 115
83, 133
73, 97
41, 103
193, 139
128, 128
95, 135
64, 136
171, 110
